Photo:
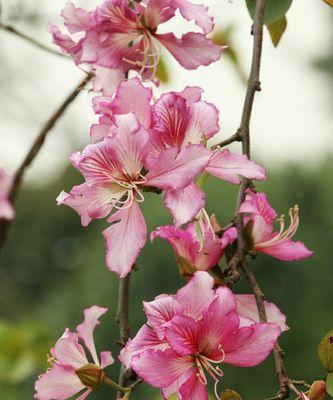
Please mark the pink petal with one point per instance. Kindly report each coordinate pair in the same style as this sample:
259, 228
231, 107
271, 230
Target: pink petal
76, 19
106, 359
6, 210
86, 329
160, 368
199, 288
58, 383
175, 169
145, 339
185, 204
124, 239
287, 250
160, 311
91, 202
156, 12
229, 236
228, 166
193, 389
247, 308
257, 203
98, 132
66, 43
191, 94
183, 335
196, 12
67, 351
249, 346
132, 96
107, 79
84, 395
192, 49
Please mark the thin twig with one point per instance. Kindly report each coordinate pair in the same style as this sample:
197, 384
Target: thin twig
36, 147
122, 318
29, 39
233, 138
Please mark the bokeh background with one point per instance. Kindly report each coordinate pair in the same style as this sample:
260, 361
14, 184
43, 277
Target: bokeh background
51, 267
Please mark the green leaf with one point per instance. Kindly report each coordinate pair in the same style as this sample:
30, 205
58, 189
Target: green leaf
276, 30
162, 72
329, 384
329, 2
325, 352
229, 394
274, 11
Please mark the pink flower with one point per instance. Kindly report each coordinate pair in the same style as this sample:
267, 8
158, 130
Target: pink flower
6, 208
71, 372
176, 121
116, 172
187, 335
260, 216
192, 255
119, 36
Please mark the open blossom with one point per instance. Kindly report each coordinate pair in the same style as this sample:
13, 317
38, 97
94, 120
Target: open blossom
120, 35
175, 121
71, 371
188, 334
116, 173
260, 217
192, 255
6, 208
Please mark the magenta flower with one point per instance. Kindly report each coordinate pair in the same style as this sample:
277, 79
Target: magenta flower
71, 371
260, 216
176, 121
187, 335
116, 172
192, 255
119, 36
6, 208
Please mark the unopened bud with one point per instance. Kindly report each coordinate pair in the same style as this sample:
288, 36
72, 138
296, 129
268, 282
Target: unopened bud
230, 395
317, 390
91, 375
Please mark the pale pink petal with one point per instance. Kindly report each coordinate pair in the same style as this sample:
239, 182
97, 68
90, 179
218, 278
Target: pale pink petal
196, 12
160, 368
247, 308
132, 96
156, 12
124, 239
257, 203
175, 169
84, 395
6, 210
249, 346
58, 383
91, 202
185, 204
145, 339
199, 288
287, 250
86, 329
192, 49
98, 132
68, 351
76, 19
160, 311
261, 230
191, 94
106, 359
183, 335
203, 123
228, 166
192, 388
66, 43
229, 236
107, 79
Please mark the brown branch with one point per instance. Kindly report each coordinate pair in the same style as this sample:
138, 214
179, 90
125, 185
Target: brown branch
234, 138
29, 39
122, 318
36, 147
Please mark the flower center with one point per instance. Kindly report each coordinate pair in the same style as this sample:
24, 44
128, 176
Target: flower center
133, 193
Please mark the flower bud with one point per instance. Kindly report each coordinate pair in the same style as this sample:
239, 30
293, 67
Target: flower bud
91, 375
325, 351
229, 394
317, 391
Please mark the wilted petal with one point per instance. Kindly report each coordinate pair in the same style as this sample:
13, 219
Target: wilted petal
185, 204
175, 169
68, 351
192, 49
124, 239
228, 166
195, 12
160, 368
249, 346
58, 383
247, 309
86, 329
287, 250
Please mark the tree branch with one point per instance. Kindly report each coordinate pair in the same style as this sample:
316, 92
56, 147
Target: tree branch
36, 147
29, 39
234, 138
122, 318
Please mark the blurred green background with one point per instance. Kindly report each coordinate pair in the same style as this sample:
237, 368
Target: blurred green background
51, 269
